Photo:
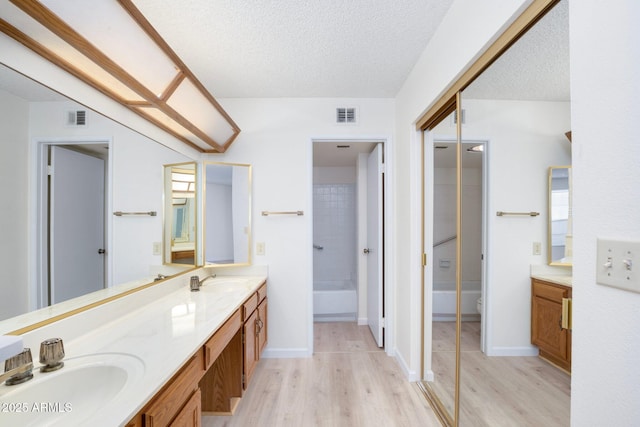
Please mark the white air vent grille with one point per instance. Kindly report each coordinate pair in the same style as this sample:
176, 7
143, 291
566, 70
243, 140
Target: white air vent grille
346, 115
77, 118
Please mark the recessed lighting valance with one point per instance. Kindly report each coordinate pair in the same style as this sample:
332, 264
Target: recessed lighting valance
111, 46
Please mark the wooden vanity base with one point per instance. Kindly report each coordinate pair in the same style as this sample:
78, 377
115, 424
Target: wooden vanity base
213, 380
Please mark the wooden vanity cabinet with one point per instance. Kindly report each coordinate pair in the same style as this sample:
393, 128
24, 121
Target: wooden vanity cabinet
553, 341
213, 380
254, 331
178, 403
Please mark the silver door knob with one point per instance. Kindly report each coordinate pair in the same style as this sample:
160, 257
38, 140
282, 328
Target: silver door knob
366, 250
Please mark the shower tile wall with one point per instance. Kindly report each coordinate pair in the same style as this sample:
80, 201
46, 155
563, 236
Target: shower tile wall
334, 228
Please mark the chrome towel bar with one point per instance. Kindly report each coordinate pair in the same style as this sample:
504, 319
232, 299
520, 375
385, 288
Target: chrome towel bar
500, 213
120, 213
267, 213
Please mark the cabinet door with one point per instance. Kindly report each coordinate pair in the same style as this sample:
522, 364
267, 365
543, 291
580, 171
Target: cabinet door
191, 414
546, 331
262, 326
250, 347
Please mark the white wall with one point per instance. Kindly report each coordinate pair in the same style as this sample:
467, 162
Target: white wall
276, 139
605, 89
14, 189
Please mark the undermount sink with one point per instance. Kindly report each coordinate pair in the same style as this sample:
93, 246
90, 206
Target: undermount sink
86, 387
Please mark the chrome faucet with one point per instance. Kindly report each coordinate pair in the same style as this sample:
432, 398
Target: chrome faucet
195, 283
211, 276
18, 368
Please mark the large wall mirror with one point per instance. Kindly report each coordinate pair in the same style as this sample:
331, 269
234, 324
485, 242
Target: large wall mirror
180, 213
130, 255
560, 237
227, 217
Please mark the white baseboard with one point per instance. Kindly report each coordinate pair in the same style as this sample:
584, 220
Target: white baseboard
410, 374
429, 376
513, 351
363, 321
286, 353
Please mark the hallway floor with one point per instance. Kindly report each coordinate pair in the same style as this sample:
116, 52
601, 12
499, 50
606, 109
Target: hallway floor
498, 391
349, 382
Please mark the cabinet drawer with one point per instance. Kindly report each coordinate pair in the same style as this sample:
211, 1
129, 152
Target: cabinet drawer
549, 291
221, 338
249, 306
191, 414
171, 399
262, 293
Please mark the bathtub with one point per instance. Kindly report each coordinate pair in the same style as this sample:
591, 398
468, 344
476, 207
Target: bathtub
334, 301
444, 301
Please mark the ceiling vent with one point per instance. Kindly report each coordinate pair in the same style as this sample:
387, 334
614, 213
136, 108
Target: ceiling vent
346, 115
77, 118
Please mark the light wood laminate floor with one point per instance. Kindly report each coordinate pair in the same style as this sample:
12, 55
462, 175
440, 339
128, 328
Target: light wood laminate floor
498, 391
349, 382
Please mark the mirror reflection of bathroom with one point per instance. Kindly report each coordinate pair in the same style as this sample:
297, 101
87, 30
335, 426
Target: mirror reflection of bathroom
342, 246
180, 213
444, 256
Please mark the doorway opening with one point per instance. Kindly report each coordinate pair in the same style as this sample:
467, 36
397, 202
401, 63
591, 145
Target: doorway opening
348, 233
473, 229
72, 180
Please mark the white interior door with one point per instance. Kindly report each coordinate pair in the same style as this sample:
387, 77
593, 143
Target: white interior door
374, 250
76, 224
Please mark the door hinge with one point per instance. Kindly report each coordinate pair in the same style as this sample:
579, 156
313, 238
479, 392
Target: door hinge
49, 170
383, 322
424, 259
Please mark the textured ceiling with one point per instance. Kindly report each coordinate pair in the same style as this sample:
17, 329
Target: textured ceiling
331, 48
535, 68
292, 48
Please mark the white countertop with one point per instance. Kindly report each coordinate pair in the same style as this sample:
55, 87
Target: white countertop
163, 332
559, 279
561, 275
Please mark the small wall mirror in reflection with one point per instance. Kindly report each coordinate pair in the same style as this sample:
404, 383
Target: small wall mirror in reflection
560, 238
227, 213
180, 220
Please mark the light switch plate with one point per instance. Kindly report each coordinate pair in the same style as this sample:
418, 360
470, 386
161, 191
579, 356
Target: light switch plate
618, 264
260, 248
536, 248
